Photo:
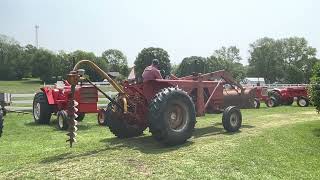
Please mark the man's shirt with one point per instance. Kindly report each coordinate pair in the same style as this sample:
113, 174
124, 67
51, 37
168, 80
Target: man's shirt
151, 73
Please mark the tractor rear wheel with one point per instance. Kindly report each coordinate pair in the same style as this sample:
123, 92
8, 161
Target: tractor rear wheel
272, 102
231, 119
172, 116
275, 97
41, 109
303, 102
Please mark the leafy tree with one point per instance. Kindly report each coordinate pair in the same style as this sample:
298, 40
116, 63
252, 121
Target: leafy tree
288, 60
230, 54
146, 56
191, 64
44, 65
13, 64
227, 59
265, 60
314, 89
116, 61
82, 55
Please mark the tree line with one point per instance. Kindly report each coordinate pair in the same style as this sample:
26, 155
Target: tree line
17, 62
287, 60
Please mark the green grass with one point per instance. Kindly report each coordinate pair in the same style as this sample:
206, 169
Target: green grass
25, 86
273, 143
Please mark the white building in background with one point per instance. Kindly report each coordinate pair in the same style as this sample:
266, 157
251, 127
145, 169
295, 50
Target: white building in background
253, 81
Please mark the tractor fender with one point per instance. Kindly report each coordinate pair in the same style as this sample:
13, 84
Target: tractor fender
48, 92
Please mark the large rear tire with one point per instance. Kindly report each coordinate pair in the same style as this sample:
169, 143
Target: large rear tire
41, 109
275, 97
272, 102
172, 116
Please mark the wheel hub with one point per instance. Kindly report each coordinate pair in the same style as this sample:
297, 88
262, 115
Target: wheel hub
234, 119
302, 102
177, 118
101, 117
271, 103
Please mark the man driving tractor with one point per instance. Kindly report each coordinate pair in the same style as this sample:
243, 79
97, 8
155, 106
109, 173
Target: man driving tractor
152, 72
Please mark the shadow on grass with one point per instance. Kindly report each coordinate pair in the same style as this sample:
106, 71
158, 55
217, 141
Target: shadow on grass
81, 126
144, 144
69, 155
316, 132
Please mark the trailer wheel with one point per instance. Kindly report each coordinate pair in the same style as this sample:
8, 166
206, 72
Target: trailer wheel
231, 119
172, 116
303, 102
41, 109
62, 118
80, 116
256, 103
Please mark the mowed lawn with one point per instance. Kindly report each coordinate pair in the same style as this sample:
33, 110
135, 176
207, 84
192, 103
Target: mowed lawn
274, 143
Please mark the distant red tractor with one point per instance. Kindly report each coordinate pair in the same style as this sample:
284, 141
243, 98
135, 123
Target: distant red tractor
286, 96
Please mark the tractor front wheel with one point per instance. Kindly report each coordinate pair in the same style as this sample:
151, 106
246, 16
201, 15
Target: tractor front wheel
80, 117
62, 118
231, 119
303, 102
256, 103
41, 109
172, 116
121, 128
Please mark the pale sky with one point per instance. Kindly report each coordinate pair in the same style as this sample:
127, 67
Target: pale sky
182, 27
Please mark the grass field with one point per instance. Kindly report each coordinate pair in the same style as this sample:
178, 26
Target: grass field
28, 86
274, 143
25, 86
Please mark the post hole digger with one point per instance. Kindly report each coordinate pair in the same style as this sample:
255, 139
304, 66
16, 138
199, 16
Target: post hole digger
168, 107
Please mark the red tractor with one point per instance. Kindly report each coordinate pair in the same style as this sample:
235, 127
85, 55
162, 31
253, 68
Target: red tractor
53, 100
168, 107
286, 96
